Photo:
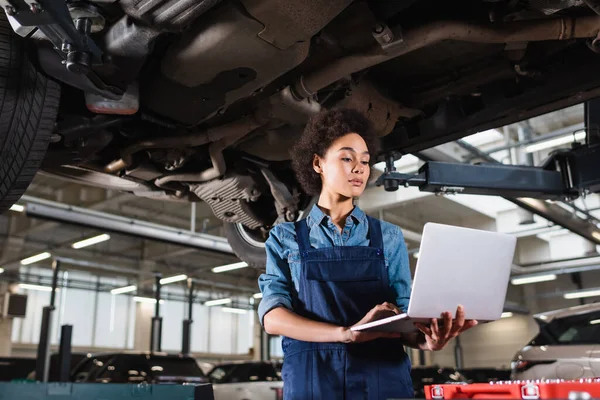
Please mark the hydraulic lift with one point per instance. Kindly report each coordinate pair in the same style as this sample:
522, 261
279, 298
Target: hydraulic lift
565, 176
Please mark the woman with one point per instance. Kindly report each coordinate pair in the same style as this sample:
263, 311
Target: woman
338, 268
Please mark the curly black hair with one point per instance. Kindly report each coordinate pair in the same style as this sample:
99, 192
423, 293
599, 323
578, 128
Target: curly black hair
320, 132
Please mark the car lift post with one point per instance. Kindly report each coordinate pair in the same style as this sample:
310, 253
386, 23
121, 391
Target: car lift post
187, 323
156, 330
43, 351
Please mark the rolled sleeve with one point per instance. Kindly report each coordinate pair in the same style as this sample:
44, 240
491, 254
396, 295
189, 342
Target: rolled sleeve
399, 271
276, 283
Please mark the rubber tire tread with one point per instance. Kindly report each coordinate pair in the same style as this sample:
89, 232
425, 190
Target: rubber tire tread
29, 104
255, 257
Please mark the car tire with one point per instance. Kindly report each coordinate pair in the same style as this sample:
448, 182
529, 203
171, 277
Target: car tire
28, 106
248, 245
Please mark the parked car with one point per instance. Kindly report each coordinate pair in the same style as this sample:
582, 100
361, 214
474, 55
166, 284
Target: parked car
422, 376
566, 347
247, 381
157, 368
201, 100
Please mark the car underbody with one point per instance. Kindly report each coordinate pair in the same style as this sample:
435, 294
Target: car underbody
201, 100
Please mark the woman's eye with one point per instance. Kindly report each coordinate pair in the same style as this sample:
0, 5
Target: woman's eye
365, 163
346, 159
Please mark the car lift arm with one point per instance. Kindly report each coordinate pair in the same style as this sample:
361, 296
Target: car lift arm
565, 176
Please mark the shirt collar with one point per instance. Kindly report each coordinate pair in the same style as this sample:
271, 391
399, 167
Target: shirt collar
316, 216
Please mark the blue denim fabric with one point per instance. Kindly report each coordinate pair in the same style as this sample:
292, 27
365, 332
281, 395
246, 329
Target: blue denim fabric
279, 284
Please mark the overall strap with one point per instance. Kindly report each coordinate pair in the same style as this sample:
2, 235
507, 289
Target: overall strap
375, 233
302, 235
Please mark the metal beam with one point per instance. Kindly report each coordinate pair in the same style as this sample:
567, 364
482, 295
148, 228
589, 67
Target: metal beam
552, 212
113, 223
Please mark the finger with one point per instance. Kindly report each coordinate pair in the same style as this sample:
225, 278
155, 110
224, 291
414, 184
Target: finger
459, 322
391, 307
446, 329
424, 329
435, 329
469, 324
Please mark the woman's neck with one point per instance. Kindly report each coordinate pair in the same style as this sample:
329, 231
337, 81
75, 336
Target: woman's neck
337, 207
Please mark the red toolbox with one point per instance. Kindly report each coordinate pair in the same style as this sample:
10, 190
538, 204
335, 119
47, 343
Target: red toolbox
529, 390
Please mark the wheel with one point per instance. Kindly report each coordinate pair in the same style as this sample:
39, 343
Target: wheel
247, 244
28, 107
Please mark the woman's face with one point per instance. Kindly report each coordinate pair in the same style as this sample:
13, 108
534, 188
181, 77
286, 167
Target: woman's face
345, 168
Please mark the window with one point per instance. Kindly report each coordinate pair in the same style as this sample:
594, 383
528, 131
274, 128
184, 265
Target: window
574, 330
124, 369
172, 366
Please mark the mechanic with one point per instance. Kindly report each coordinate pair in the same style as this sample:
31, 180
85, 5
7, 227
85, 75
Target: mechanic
339, 267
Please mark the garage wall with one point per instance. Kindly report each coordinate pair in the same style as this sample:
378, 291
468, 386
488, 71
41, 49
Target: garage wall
104, 321
489, 345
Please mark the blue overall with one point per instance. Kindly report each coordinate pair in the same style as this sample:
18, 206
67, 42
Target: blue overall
340, 285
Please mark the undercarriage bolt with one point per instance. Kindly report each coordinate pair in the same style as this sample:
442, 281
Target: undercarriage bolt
10, 10
35, 8
66, 47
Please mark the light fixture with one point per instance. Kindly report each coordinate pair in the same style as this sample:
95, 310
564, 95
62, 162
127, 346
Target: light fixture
548, 144
35, 287
506, 315
126, 289
17, 208
596, 235
533, 279
416, 255
91, 241
234, 310
595, 322
1, 270
217, 302
229, 267
146, 300
36, 258
582, 293
172, 279
257, 295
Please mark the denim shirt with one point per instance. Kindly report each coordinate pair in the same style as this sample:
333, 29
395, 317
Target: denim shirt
279, 284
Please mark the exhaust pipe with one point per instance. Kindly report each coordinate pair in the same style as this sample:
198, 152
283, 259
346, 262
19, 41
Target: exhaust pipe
395, 43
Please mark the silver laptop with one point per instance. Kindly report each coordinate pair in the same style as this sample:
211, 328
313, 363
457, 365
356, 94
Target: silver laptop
456, 265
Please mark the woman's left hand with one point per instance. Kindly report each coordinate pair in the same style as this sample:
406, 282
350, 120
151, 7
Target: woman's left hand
436, 337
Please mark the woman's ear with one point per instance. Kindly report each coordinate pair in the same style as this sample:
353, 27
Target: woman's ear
317, 164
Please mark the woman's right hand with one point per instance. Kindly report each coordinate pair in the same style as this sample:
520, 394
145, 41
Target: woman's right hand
378, 312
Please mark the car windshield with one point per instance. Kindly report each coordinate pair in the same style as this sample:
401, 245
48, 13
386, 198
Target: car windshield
172, 366
219, 374
573, 330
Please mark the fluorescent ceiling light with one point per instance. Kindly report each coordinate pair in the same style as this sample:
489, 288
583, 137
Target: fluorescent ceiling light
234, 310
533, 279
36, 258
257, 295
172, 279
35, 287
17, 208
596, 235
1, 270
126, 289
506, 315
146, 300
91, 241
217, 302
229, 267
582, 293
416, 255
595, 322
548, 144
